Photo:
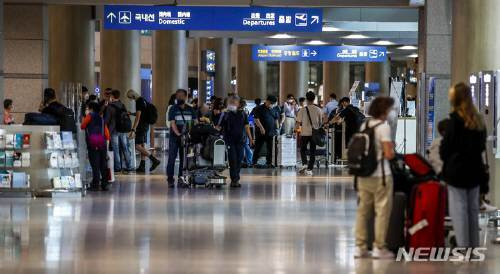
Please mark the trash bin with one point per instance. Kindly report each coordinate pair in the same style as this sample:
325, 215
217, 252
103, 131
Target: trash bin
161, 135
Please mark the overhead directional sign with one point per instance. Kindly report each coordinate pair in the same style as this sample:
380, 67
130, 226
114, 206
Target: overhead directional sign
319, 53
125, 17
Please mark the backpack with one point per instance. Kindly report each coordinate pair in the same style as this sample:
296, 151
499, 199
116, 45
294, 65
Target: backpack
66, 117
123, 122
362, 158
151, 113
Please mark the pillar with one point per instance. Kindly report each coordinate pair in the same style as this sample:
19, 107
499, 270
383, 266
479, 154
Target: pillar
71, 46
475, 38
121, 62
222, 48
251, 76
170, 68
294, 79
25, 55
336, 78
379, 72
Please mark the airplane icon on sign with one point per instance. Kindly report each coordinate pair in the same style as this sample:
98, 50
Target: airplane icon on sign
125, 17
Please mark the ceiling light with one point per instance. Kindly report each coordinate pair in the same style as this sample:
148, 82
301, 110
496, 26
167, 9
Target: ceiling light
383, 43
414, 55
330, 28
315, 42
408, 48
356, 36
281, 36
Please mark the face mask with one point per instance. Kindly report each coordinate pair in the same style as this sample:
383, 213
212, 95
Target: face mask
86, 97
232, 108
179, 102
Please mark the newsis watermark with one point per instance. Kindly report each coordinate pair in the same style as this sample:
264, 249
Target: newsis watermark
442, 254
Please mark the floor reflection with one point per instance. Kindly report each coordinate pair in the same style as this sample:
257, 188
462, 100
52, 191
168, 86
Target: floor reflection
284, 224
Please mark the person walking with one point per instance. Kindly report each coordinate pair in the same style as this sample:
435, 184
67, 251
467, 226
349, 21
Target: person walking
309, 117
266, 121
464, 168
118, 121
98, 137
181, 117
140, 130
375, 191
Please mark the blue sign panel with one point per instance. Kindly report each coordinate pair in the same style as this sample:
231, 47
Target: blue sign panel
319, 53
209, 61
209, 89
123, 17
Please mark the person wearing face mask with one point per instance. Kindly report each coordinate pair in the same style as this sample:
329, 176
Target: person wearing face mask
290, 109
181, 117
140, 130
266, 121
235, 129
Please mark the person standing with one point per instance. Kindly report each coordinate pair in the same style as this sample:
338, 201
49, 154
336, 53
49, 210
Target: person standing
290, 109
464, 168
98, 137
352, 117
375, 191
8, 107
266, 121
331, 106
236, 130
140, 130
118, 122
181, 117
248, 153
309, 117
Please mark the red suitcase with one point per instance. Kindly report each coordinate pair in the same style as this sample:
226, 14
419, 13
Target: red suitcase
427, 212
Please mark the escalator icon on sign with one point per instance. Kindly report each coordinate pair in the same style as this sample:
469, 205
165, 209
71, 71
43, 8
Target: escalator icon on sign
125, 17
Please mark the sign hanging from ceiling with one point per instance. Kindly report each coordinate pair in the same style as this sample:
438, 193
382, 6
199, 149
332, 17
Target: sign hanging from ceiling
319, 53
125, 17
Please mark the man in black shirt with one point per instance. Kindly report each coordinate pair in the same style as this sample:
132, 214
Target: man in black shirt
140, 130
266, 122
352, 117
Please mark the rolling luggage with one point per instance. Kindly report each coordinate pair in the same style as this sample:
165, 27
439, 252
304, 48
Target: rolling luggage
427, 213
285, 151
396, 229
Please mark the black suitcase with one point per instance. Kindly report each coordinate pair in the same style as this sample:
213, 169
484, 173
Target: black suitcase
396, 229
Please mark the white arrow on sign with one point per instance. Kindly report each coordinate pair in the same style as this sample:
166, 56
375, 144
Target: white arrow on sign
314, 53
381, 54
315, 19
111, 16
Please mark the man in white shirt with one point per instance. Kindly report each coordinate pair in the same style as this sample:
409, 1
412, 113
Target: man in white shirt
309, 117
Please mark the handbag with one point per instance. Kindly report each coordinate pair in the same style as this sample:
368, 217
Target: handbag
319, 134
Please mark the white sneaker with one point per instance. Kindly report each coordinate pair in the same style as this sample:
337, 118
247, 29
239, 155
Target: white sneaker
382, 254
302, 170
485, 207
361, 253
308, 172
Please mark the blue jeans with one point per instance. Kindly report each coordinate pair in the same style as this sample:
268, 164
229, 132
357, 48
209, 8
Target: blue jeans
174, 147
463, 205
248, 155
119, 143
235, 152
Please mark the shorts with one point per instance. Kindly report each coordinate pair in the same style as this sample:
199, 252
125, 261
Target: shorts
141, 136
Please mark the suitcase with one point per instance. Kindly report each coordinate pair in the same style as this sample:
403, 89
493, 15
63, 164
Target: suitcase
427, 213
396, 229
219, 160
285, 151
111, 168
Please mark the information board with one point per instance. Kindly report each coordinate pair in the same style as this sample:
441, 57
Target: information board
273, 19
320, 53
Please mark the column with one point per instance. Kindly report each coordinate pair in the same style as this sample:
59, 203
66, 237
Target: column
170, 68
121, 62
222, 48
379, 72
251, 76
25, 55
294, 79
475, 48
336, 78
71, 46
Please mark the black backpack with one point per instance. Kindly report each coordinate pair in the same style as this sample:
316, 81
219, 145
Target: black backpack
66, 118
151, 115
362, 154
123, 122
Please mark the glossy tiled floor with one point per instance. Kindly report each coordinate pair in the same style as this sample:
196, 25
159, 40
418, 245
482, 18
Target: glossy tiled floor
274, 224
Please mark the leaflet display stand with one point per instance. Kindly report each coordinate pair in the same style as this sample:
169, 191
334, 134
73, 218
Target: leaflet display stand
29, 167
